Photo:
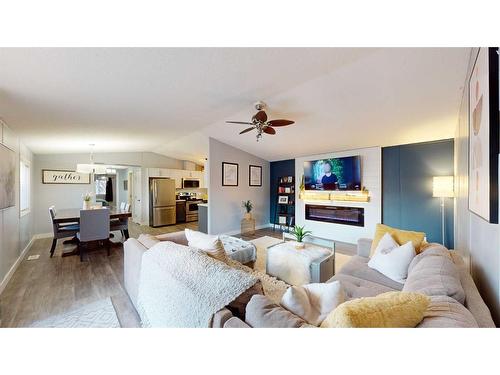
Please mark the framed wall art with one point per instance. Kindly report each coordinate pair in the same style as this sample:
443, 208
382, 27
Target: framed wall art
484, 135
255, 175
56, 176
229, 174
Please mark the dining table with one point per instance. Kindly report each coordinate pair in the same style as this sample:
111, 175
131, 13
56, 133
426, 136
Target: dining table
72, 215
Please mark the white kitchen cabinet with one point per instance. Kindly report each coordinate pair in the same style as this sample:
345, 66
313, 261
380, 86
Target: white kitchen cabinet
154, 172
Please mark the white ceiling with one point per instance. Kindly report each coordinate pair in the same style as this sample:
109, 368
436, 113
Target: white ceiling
170, 100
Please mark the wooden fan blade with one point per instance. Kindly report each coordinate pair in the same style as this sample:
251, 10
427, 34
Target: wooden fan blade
247, 130
239, 122
280, 122
269, 130
260, 116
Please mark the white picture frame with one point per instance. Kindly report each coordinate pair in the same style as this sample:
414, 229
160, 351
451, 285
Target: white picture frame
283, 199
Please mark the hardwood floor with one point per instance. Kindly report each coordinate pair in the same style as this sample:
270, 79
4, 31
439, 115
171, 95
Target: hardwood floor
50, 286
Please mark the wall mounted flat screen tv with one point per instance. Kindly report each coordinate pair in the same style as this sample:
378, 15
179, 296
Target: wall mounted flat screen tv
333, 174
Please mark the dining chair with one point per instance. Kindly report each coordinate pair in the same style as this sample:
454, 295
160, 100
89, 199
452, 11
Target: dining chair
60, 230
94, 226
127, 207
122, 206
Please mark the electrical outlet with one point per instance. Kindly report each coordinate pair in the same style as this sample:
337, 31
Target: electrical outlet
34, 257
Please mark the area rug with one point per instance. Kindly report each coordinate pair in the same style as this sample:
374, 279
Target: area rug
99, 314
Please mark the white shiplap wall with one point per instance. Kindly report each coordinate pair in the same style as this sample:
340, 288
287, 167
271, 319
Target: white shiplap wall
371, 178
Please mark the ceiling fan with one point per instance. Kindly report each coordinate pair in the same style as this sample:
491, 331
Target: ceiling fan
260, 123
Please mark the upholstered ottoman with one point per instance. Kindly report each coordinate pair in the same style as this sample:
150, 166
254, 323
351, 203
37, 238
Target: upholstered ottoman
238, 249
313, 264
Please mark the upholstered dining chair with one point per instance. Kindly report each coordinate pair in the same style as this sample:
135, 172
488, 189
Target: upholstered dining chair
94, 226
61, 230
127, 207
122, 206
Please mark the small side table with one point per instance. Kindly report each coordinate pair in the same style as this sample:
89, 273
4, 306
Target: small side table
248, 226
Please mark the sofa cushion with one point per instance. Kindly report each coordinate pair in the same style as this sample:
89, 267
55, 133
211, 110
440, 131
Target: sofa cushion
356, 288
433, 273
401, 237
147, 240
387, 310
261, 312
391, 259
445, 312
357, 266
313, 302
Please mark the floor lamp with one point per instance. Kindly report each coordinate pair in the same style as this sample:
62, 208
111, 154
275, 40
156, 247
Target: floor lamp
442, 187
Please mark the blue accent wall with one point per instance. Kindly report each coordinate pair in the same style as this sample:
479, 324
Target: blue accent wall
407, 201
277, 170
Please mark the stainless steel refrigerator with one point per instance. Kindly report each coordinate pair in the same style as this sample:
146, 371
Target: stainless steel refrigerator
161, 202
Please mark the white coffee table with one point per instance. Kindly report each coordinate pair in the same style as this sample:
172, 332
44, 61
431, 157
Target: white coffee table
313, 264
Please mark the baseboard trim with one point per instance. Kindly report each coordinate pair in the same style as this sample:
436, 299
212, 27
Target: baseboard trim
16, 264
238, 231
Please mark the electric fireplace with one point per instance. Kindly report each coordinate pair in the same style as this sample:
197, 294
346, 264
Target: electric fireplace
336, 214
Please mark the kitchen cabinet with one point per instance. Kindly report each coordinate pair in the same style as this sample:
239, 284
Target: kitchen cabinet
178, 175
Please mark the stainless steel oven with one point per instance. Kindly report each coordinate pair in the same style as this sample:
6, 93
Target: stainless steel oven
192, 210
190, 183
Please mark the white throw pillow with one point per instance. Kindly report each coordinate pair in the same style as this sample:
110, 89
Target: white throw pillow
210, 244
392, 260
313, 302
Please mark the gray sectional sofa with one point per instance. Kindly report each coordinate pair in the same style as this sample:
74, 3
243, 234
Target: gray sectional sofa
437, 272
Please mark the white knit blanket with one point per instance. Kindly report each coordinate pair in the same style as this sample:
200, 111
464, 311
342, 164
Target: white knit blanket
183, 287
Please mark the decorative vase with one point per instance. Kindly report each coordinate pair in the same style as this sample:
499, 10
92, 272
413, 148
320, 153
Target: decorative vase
300, 245
248, 216
86, 205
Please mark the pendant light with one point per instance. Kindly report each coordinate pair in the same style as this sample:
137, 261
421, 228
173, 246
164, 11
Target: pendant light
91, 167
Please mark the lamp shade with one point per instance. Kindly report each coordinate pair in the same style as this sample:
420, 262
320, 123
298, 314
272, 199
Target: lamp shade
442, 187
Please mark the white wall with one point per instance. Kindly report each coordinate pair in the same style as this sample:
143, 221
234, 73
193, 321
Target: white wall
371, 178
477, 240
15, 233
224, 202
70, 196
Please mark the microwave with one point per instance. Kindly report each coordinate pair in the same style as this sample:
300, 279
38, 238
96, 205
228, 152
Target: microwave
190, 183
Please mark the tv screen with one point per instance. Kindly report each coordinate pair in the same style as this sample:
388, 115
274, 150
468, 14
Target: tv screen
333, 174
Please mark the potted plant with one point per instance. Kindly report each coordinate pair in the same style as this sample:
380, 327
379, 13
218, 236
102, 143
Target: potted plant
87, 200
247, 205
299, 233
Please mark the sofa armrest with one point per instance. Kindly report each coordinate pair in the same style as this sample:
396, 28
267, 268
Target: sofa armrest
132, 261
221, 317
235, 322
364, 247
177, 237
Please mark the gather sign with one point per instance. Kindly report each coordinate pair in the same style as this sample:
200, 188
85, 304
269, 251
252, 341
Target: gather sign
50, 176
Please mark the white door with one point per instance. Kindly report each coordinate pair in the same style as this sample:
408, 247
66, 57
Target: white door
136, 185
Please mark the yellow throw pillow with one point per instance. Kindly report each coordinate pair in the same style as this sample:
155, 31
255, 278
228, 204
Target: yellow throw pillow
387, 310
400, 236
